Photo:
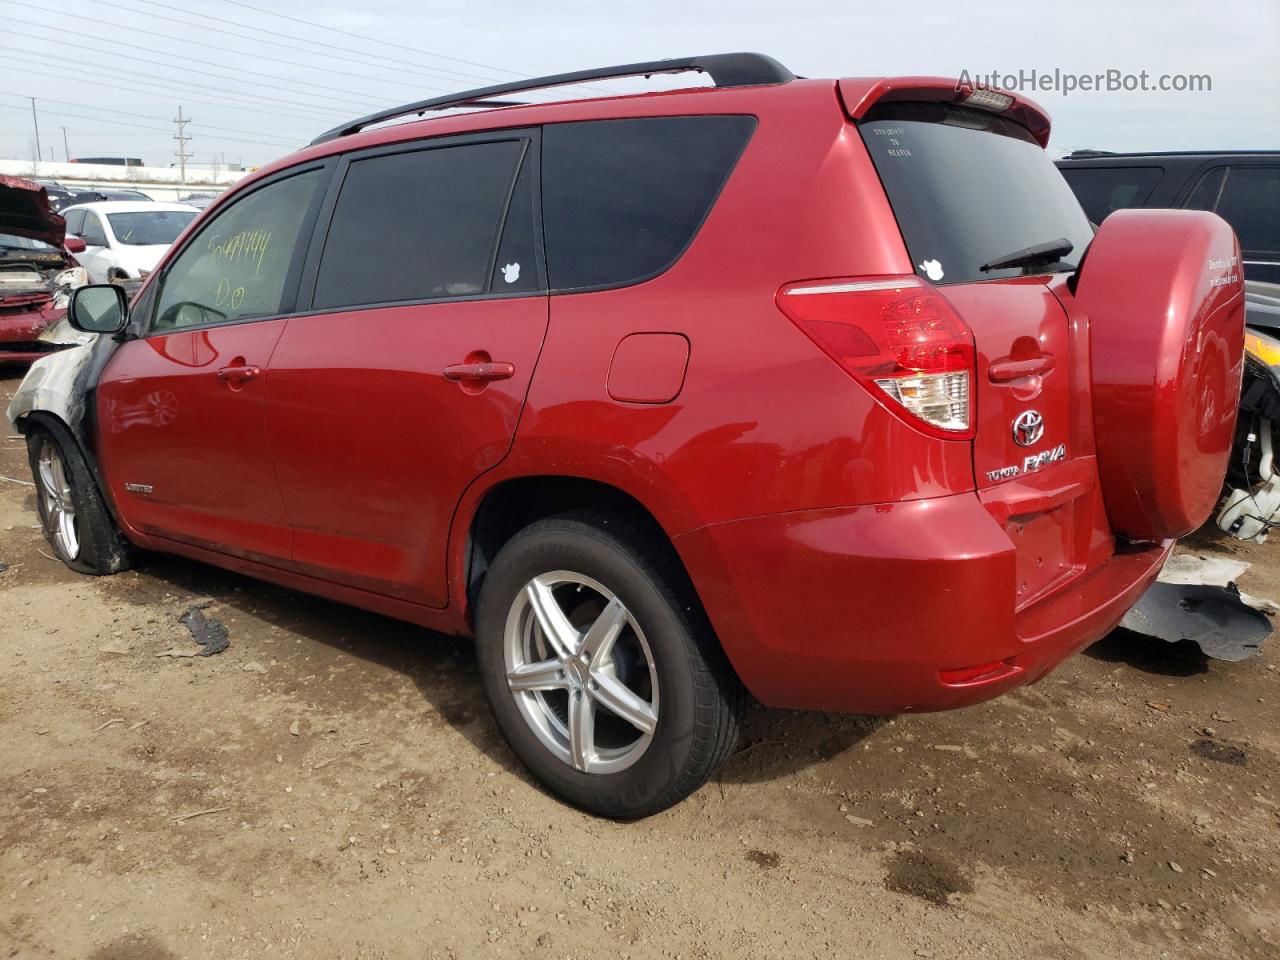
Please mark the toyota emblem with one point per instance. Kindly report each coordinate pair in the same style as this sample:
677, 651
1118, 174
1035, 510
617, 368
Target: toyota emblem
1028, 427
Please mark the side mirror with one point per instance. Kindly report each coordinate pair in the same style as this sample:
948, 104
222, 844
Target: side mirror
99, 308
74, 244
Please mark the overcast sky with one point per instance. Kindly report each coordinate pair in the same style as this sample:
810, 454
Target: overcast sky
115, 73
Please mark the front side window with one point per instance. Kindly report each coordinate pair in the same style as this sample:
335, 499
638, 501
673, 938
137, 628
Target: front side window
149, 228
622, 199
237, 266
420, 225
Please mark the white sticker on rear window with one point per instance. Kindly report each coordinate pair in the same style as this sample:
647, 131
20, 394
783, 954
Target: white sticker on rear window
933, 269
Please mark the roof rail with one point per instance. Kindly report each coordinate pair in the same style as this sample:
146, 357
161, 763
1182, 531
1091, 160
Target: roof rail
725, 69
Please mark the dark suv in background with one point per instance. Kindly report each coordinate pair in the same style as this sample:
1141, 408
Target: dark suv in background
1241, 187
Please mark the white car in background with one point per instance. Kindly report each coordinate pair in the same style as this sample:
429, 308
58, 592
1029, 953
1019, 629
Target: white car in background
124, 240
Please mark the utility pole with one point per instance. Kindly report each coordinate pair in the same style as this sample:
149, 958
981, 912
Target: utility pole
66, 151
183, 140
35, 122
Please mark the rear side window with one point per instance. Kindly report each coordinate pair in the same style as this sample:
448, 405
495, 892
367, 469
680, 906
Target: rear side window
421, 225
622, 199
1248, 198
1104, 190
969, 187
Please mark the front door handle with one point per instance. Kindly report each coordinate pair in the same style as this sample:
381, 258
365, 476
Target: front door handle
241, 374
483, 370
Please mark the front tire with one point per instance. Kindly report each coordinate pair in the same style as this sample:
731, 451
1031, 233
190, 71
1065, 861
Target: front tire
601, 668
74, 517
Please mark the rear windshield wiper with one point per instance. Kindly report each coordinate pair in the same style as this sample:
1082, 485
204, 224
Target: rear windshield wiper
1039, 255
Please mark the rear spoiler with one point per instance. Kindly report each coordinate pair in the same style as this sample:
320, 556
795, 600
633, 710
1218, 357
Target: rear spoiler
860, 94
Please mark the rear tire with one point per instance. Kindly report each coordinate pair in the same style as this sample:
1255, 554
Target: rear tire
74, 517
626, 733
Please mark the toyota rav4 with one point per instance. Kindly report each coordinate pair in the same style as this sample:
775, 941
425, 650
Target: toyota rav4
821, 390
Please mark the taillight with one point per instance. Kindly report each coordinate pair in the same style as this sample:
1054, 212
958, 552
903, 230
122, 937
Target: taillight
897, 335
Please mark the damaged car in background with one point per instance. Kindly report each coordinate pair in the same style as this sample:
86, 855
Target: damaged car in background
1251, 504
38, 270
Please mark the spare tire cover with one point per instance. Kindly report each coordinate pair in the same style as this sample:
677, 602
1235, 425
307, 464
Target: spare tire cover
1163, 291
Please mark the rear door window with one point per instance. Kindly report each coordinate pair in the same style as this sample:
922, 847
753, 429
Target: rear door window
423, 225
969, 187
516, 268
1104, 190
622, 199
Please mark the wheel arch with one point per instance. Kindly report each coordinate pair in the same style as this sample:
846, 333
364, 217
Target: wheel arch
510, 505
52, 423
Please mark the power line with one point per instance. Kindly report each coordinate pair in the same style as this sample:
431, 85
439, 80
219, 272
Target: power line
214, 46
235, 98
174, 66
125, 123
361, 36
369, 60
145, 116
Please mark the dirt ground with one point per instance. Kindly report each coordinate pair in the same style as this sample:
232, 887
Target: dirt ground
356, 800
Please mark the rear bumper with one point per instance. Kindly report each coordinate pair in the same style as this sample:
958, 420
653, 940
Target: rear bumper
895, 608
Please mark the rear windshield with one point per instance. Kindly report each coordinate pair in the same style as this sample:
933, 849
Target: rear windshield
969, 187
10, 242
148, 228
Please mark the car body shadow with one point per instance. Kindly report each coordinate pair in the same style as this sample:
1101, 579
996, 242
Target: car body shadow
1150, 654
774, 743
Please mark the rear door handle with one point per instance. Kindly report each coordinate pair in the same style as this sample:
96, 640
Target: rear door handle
487, 370
1002, 371
239, 374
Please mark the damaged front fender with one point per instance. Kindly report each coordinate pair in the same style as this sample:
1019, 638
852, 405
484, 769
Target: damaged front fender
61, 387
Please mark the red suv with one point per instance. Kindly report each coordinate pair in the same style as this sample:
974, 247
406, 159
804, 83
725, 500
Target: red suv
797, 386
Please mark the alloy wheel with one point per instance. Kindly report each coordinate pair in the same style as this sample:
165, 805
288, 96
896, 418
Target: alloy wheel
59, 506
581, 672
